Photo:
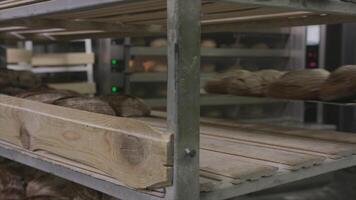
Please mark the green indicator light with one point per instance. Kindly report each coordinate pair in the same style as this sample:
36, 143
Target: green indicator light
114, 89
114, 62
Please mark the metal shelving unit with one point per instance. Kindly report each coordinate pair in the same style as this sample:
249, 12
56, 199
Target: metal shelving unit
206, 100
88, 86
95, 18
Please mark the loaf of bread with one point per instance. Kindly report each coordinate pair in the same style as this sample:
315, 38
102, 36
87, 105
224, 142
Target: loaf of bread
208, 44
341, 85
243, 82
19, 182
20, 79
12, 91
220, 85
127, 106
12, 186
266, 77
299, 84
47, 187
159, 43
87, 104
47, 95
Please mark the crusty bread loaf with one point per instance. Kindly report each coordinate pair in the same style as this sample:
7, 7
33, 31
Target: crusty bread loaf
220, 85
12, 91
299, 84
341, 85
243, 83
47, 95
12, 186
267, 77
127, 106
159, 43
82, 193
47, 187
19, 182
208, 43
87, 104
4, 79
21, 79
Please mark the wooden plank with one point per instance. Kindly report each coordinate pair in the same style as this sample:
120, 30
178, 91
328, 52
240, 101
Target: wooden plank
207, 185
62, 59
80, 87
230, 166
329, 135
293, 143
293, 160
330, 148
15, 56
317, 134
131, 152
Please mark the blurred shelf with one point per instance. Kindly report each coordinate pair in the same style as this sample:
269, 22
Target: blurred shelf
216, 52
218, 100
144, 77
68, 19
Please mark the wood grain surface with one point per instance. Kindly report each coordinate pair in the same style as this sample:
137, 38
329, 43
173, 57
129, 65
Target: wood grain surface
128, 150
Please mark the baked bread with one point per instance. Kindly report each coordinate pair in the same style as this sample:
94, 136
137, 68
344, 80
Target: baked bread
21, 79
299, 84
87, 104
127, 106
341, 85
47, 96
159, 43
266, 77
12, 186
220, 85
12, 91
209, 44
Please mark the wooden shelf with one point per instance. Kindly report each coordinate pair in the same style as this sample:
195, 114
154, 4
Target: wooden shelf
255, 157
279, 155
65, 19
277, 160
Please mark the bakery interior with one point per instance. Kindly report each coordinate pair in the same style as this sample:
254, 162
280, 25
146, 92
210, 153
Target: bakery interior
268, 85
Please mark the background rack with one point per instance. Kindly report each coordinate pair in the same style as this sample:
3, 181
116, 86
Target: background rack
183, 27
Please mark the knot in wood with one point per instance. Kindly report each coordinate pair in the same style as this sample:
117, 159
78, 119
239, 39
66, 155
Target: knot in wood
25, 138
132, 149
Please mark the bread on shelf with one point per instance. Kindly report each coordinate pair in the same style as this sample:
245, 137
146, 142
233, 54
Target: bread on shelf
298, 84
243, 82
87, 104
341, 85
127, 106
